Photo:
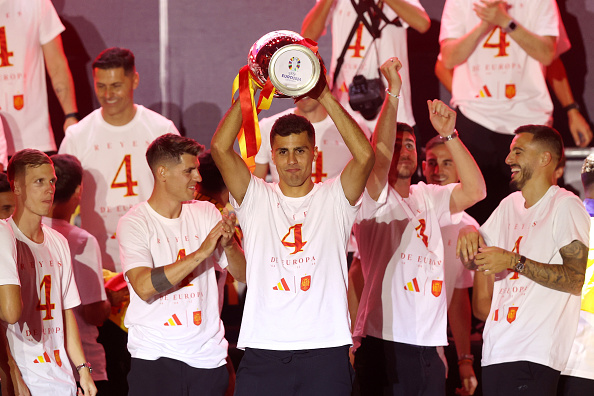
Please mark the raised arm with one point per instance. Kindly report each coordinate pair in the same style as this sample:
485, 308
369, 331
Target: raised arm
541, 48
414, 16
76, 353
471, 188
59, 72
234, 171
384, 136
355, 174
578, 126
315, 21
148, 282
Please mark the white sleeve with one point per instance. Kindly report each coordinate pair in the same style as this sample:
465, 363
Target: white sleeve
547, 19
491, 229
88, 271
68, 145
369, 206
70, 296
50, 25
264, 155
172, 128
133, 240
454, 19
8, 258
571, 223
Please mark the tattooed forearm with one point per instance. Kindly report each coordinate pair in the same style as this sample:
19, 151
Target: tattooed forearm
567, 277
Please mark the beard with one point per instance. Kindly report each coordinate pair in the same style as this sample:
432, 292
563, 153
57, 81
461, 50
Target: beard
405, 173
518, 183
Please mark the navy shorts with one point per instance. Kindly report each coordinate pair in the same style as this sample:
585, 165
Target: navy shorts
393, 368
519, 378
310, 372
166, 376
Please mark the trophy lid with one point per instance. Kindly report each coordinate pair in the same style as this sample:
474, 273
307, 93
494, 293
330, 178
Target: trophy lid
293, 68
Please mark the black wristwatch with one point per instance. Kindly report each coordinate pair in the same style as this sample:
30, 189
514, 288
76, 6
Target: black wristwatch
520, 264
511, 26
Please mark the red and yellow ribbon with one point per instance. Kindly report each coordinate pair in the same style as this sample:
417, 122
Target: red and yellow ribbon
249, 137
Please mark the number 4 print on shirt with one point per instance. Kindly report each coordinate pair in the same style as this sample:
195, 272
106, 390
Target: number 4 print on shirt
319, 174
357, 47
129, 184
421, 232
516, 249
46, 286
501, 45
298, 242
5, 55
186, 281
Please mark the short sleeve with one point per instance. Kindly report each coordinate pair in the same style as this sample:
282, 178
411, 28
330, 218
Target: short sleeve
50, 25
454, 19
172, 128
547, 21
8, 257
491, 229
70, 296
571, 223
88, 271
134, 249
264, 155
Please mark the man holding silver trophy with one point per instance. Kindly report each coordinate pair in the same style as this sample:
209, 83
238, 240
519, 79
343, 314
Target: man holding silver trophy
295, 328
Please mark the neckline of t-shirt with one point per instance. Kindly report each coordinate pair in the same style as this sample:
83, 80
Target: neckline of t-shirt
296, 199
118, 128
552, 189
27, 239
162, 218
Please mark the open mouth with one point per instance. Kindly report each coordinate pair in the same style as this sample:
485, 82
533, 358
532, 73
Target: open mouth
515, 170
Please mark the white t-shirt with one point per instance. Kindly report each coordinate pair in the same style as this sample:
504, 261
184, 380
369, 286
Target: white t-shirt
8, 258
88, 274
403, 265
528, 321
47, 288
116, 174
393, 42
183, 323
499, 77
456, 275
27, 24
296, 266
581, 358
333, 153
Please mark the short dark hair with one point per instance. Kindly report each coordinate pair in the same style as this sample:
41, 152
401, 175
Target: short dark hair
21, 160
403, 127
434, 141
4, 184
290, 124
69, 173
588, 172
547, 137
115, 57
170, 148
212, 180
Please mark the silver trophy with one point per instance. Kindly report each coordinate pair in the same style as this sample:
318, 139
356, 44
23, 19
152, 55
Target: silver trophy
294, 69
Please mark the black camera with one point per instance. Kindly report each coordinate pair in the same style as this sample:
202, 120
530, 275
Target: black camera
367, 96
